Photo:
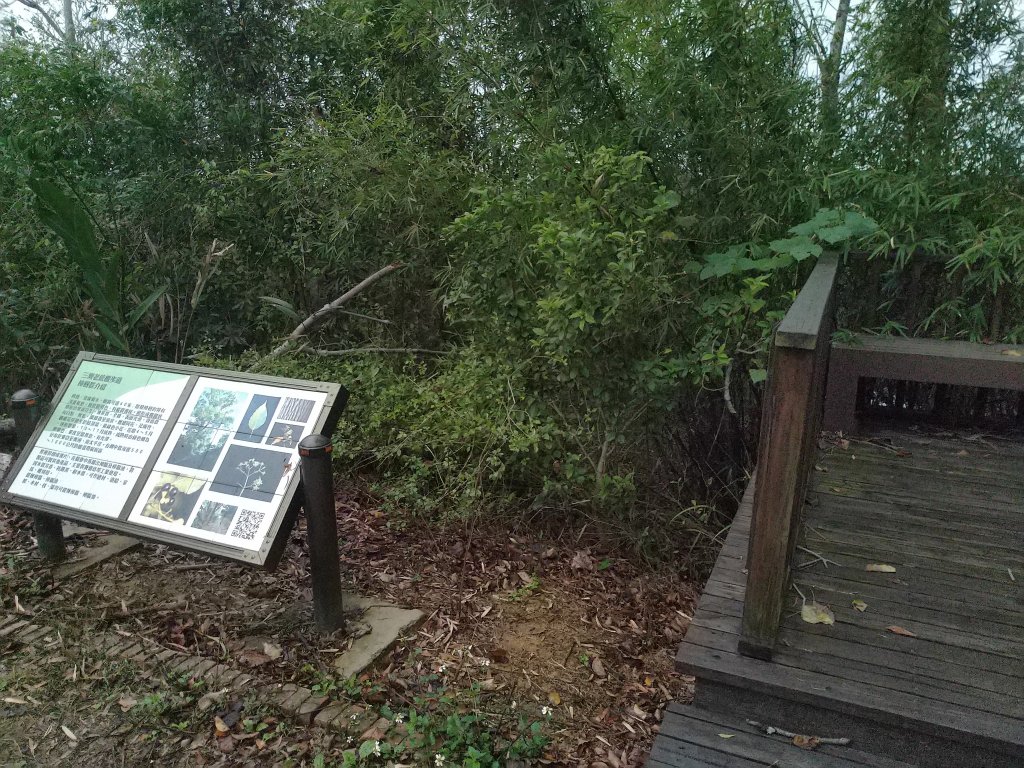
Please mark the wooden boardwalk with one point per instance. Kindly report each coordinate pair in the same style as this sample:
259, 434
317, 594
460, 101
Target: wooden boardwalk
915, 543
948, 515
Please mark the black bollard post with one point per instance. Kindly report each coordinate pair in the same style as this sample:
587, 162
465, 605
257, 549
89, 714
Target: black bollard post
321, 530
49, 529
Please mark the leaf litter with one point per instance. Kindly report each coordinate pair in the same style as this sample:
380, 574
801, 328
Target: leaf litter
598, 631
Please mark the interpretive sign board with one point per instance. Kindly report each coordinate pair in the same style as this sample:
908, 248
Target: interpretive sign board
198, 458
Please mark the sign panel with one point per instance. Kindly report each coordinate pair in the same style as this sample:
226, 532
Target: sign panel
199, 458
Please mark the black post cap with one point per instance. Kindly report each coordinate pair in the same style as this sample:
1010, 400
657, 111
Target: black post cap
23, 398
313, 445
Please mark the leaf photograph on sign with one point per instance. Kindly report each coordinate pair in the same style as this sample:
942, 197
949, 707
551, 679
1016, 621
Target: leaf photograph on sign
256, 419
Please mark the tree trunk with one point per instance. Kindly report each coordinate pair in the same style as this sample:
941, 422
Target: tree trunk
831, 70
70, 36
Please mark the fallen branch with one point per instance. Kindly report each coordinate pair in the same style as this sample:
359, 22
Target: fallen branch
818, 558
321, 315
374, 350
771, 730
726, 394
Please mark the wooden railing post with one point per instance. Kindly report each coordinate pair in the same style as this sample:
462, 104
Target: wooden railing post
789, 430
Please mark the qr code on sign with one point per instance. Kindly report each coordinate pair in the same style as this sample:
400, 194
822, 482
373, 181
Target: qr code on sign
248, 524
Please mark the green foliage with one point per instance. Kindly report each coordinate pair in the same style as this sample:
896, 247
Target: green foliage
602, 208
573, 275
103, 278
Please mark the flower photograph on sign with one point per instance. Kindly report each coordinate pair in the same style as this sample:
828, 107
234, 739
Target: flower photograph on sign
253, 473
172, 497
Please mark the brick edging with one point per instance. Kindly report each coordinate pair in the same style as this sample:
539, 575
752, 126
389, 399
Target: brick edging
298, 703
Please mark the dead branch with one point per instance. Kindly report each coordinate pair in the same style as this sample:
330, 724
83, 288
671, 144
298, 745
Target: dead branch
321, 315
374, 350
772, 730
726, 394
57, 29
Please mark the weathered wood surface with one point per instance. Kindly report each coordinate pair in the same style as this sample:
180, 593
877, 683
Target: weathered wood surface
800, 328
997, 366
693, 737
948, 514
792, 416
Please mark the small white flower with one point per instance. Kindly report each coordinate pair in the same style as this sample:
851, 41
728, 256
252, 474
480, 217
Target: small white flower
485, 662
441, 669
376, 748
354, 718
545, 711
399, 718
438, 760
351, 740
513, 705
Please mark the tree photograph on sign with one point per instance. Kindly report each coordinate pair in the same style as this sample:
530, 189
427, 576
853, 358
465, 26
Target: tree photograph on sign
207, 429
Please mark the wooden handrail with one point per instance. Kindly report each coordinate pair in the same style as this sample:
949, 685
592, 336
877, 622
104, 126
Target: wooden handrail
789, 429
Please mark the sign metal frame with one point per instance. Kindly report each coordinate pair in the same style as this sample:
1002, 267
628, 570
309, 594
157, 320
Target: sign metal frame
272, 546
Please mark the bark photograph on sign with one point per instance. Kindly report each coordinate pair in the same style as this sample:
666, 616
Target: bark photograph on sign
215, 517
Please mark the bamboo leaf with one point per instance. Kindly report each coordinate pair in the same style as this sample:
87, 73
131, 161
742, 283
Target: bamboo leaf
136, 314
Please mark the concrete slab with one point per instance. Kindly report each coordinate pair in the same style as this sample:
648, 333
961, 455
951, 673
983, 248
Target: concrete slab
386, 623
106, 547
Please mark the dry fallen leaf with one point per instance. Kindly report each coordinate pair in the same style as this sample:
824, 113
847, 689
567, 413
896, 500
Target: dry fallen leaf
816, 613
726, 735
901, 631
860, 605
806, 742
221, 727
69, 733
14, 700
880, 568
252, 658
1012, 353
126, 703
582, 561
598, 667
555, 698
272, 650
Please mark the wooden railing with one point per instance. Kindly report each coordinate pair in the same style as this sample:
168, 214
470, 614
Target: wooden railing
789, 430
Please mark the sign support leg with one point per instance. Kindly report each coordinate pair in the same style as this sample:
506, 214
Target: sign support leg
321, 530
49, 529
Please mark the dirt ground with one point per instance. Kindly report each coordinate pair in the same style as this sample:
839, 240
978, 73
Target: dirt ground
524, 637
